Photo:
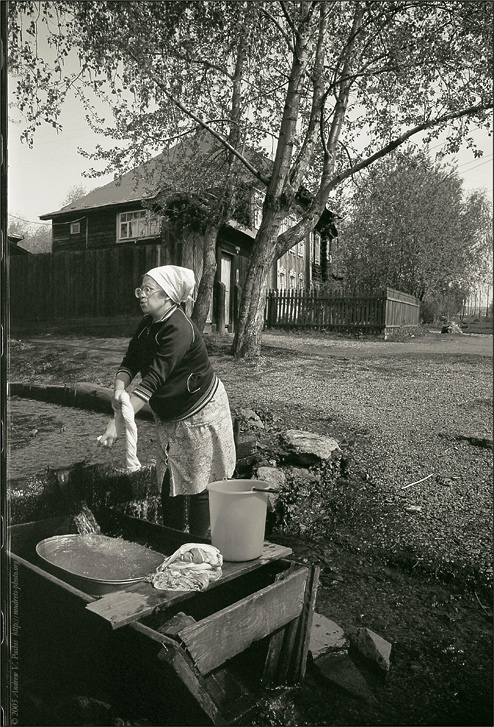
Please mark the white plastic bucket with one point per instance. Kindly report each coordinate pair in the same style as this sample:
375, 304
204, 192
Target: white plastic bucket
238, 518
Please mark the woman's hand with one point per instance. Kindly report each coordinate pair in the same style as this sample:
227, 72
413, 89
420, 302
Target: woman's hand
109, 435
116, 401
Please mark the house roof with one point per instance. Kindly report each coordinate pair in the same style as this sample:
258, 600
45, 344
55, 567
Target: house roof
186, 159
131, 187
13, 244
154, 175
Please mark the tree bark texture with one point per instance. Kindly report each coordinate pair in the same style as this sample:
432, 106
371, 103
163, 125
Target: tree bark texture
203, 300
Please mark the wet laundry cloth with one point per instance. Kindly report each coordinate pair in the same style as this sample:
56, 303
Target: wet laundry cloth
124, 420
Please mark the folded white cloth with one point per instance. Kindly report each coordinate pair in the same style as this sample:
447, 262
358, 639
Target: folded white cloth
124, 420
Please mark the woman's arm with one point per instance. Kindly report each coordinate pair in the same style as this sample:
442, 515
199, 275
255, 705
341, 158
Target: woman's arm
122, 380
110, 435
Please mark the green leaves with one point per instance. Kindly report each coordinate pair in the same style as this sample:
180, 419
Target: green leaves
411, 228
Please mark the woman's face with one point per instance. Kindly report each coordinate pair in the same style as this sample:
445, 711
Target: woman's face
154, 301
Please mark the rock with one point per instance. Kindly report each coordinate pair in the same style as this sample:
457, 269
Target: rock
414, 508
306, 474
340, 669
326, 637
246, 445
251, 419
371, 646
272, 475
310, 448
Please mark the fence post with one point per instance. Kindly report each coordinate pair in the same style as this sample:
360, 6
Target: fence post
271, 305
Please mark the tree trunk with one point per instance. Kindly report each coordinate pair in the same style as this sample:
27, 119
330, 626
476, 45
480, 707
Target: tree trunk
248, 335
203, 300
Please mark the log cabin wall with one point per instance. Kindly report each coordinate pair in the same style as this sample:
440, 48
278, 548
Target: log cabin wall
97, 229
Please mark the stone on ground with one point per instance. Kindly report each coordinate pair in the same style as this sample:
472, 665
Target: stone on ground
326, 636
308, 447
372, 646
272, 475
340, 670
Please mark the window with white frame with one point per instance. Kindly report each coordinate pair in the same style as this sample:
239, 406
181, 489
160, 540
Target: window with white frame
75, 228
135, 224
293, 279
301, 248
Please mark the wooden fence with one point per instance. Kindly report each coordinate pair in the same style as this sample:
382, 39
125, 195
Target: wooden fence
78, 287
377, 313
95, 289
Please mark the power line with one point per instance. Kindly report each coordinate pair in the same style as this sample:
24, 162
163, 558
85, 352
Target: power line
487, 161
29, 222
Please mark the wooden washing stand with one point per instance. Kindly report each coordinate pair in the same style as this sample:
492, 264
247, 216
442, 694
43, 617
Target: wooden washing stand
173, 657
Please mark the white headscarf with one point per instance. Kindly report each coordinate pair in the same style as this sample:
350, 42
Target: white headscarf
178, 283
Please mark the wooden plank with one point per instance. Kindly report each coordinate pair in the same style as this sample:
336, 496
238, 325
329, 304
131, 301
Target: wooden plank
272, 661
271, 665
297, 659
232, 696
230, 631
53, 579
195, 684
142, 599
129, 604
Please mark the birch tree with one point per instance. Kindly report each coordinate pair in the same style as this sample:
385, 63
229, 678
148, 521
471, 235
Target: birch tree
335, 86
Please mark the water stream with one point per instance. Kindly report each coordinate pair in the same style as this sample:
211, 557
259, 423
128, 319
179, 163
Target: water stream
85, 521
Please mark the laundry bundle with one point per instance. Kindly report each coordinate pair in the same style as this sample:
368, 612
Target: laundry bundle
191, 568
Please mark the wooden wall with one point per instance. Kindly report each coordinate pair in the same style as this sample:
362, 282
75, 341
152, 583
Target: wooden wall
98, 228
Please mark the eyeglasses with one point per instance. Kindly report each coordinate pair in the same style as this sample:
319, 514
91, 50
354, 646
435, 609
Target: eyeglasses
146, 291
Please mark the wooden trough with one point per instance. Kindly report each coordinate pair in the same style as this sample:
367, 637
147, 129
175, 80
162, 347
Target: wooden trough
171, 658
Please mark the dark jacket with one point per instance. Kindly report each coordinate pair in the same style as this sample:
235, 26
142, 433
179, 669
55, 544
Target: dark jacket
177, 377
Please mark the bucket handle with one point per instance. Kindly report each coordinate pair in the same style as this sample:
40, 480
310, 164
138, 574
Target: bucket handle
266, 489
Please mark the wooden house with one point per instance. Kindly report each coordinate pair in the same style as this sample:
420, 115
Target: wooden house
161, 202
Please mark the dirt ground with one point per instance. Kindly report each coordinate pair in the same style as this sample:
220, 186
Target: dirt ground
440, 629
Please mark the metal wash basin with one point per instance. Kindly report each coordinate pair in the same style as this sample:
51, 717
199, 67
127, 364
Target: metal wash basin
97, 563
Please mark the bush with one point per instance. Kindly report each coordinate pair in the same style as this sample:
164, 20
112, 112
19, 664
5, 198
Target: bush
428, 311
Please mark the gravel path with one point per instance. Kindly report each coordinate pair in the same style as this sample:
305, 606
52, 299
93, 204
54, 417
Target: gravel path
401, 411
412, 411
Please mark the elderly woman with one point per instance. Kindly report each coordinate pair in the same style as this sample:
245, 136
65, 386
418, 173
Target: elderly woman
189, 402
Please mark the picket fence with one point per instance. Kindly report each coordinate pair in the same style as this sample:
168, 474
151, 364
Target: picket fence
377, 313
